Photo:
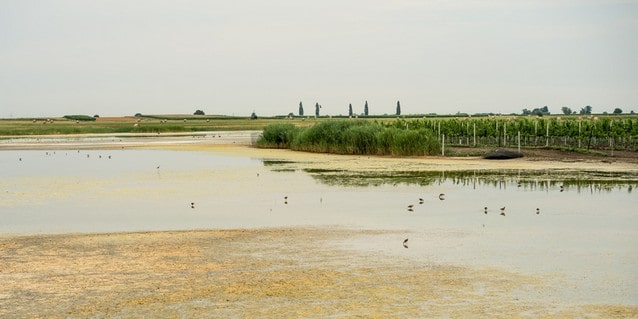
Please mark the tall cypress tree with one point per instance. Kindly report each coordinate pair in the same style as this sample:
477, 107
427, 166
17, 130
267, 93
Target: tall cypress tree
350, 110
317, 107
398, 108
300, 109
365, 109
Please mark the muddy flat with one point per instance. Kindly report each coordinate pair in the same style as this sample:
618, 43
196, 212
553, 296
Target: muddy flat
266, 273
278, 272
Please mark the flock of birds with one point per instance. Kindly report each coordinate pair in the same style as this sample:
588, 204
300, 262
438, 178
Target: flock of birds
410, 207
485, 209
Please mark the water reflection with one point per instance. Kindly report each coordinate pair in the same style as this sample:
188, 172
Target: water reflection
540, 180
589, 230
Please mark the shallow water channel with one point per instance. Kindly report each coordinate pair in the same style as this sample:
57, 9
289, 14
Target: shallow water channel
585, 232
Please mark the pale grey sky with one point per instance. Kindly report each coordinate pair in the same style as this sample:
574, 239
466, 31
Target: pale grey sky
120, 57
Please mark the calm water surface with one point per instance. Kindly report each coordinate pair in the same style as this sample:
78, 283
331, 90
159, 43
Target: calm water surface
586, 234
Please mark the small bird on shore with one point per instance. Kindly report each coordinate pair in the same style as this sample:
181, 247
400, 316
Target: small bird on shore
410, 206
442, 196
485, 210
421, 201
538, 211
562, 188
192, 205
405, 243
285, 199
503, 211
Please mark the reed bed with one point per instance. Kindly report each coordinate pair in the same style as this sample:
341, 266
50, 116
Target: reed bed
351, 137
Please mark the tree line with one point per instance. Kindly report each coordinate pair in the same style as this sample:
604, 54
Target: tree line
351, 113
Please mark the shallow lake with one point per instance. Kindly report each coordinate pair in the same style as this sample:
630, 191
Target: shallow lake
585, 232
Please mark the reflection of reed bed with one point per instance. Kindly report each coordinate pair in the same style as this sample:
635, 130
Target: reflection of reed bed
351, 137
528, 179
272, 273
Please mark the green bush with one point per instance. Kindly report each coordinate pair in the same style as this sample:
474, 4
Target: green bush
277, 136
80, 117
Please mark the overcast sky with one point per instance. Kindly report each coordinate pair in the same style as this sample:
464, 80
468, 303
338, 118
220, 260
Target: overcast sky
121, 57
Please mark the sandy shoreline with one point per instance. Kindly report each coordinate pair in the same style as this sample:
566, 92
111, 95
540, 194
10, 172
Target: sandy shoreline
273, 272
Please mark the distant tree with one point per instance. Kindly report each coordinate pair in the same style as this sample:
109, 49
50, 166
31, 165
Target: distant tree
566, 110
365, 109
138, 114
199, 112
632, 112
526, 112
317, 107
586, 110
398, 108
253, 116
617, 110
350, 109
300, 109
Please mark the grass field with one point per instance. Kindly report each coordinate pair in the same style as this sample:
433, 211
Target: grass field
173, 123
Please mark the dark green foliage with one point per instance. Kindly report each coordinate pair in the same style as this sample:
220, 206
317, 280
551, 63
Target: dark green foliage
537, 111
365, 109
586, 110
566, 110
80, 117
300, 109
398, 108
350, 109
199, 112
277, 136
352, 137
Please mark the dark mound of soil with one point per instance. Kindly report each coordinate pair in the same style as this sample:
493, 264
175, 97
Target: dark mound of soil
502, 154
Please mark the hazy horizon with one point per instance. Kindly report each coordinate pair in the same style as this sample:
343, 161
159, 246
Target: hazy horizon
118, 58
